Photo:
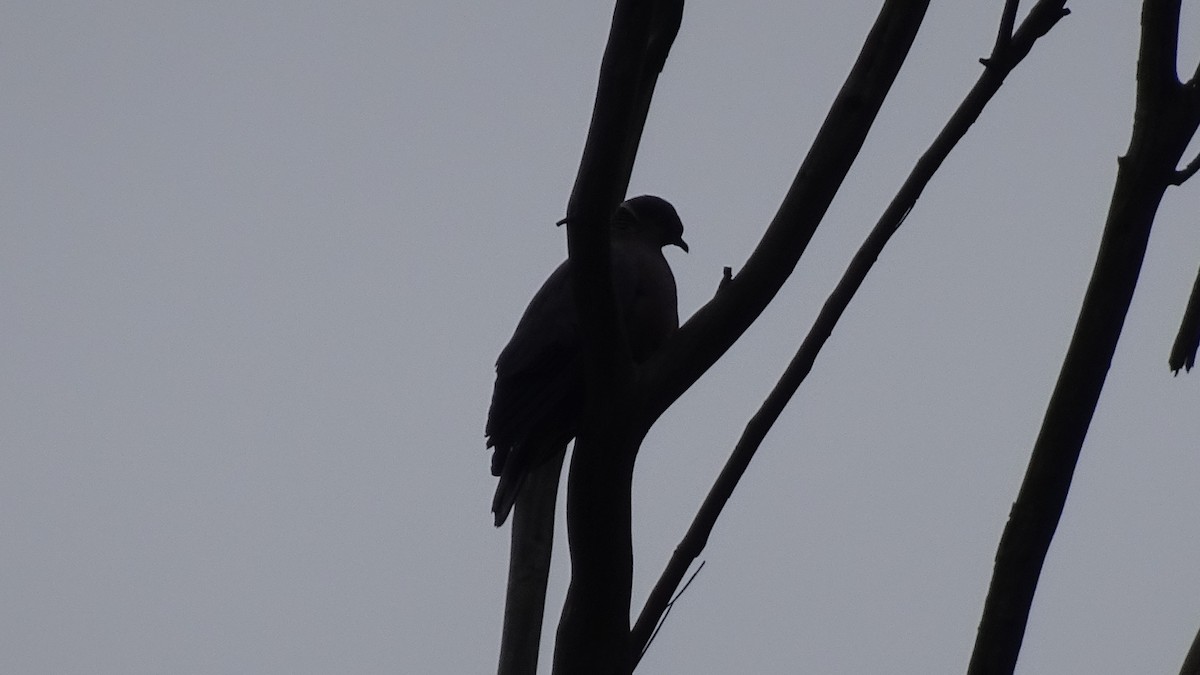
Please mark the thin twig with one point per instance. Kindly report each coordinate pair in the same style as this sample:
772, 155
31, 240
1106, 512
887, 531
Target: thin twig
671, 605
1186, 172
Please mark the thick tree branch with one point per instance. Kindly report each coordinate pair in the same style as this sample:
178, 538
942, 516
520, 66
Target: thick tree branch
1163, 125
1157, 70
593, 632
1005, 56
608, 156
716, 325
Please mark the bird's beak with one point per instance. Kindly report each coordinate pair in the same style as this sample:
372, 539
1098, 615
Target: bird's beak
681, 244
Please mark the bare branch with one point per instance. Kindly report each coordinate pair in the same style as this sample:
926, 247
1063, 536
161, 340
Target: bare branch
603, 176
670, 606
1041, 19
1187, 340
593, 631
1157, 62
1186, 172
956, 127
716, 325
1008, 18
1164, 122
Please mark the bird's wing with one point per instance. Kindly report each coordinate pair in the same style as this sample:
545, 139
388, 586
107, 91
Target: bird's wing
539, 366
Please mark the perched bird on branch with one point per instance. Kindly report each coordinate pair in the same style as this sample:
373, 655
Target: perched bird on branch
539, 391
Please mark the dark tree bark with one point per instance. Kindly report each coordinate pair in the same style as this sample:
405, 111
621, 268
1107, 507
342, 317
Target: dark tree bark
593, 632
639, 41
1165, 119
622, 402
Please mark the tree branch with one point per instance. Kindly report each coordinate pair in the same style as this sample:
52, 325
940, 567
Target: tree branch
1008, 19
593, 632
1003, 60
1187, 340
1041, 18
1163, 125
1157, 69
1182, 175
715, 326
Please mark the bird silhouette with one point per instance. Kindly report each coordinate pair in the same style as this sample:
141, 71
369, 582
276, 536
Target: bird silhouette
538, 397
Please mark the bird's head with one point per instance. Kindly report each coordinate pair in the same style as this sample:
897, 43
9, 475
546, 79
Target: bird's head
651, 217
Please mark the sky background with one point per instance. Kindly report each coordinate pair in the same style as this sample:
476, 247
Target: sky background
257, 260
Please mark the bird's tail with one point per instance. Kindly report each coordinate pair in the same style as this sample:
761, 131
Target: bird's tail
506, 494
522, 460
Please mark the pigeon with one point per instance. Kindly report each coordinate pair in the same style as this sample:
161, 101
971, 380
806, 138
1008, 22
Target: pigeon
539, 391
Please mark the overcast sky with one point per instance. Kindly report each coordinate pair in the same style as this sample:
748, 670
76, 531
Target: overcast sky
258, 258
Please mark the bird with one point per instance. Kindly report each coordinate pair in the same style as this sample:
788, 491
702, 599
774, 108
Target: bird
538, 395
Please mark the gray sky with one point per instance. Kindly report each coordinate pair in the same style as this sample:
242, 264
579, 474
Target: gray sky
258, 259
